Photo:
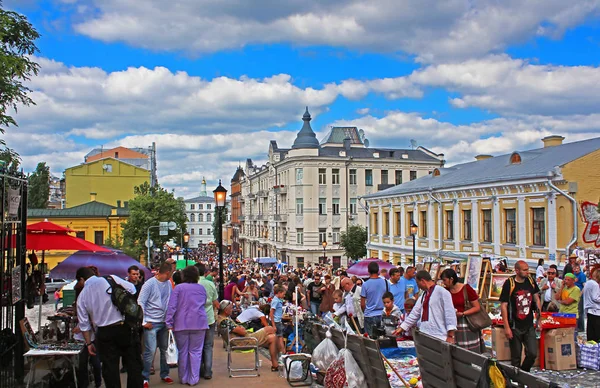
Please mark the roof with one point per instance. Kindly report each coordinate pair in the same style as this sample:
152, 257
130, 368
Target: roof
90, 209
144, 164
534, 164
306, 138
338, 134
201, 198
384, 153
96, 151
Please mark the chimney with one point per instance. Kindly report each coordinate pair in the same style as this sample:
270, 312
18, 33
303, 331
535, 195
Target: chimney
92, 197
482, 157
347, 144
118, 203
553, 141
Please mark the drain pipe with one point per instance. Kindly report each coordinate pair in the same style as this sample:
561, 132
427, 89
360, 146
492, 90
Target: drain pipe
440, 219
575, 229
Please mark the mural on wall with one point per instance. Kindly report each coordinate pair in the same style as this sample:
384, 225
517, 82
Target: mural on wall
591, 217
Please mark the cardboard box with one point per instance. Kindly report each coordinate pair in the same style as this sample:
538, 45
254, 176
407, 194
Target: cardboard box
560, 349
500, 345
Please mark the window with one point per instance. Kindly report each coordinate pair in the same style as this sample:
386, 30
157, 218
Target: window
411, 219
322, 176
466, 225
192, 206
511, 226
413, 175
208, 231
398, 177
192, 217
398, 223
369, 177
200, 206
192, 231
208, 217
353, 206
386, 223
423, 227
322, 206
299, 236
335, 176
200, 231
300, 262
80, 235
99, 237
539, 226
384, 177
487, 225
107, 167
352, 176
449, 225
322, 235
208, 206
336, 235
299, 176
200, 217
299, 206
335, 206
375, 223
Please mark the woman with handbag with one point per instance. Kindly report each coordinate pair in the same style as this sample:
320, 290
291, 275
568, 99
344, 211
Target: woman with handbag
467, 306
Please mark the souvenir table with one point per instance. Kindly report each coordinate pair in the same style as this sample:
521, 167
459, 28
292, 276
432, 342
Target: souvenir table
53, 353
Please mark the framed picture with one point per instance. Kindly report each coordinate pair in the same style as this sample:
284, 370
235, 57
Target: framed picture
496, 284
473, 271
434, 270
487, 270
427, 266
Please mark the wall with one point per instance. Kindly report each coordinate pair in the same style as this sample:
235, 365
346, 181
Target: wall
123, 153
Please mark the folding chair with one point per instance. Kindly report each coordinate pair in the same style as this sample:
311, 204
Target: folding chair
243, 344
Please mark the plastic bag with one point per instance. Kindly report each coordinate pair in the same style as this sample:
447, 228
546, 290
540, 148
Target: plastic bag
345, 372
172, 353
325, 353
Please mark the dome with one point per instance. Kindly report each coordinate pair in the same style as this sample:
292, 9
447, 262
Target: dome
306, 138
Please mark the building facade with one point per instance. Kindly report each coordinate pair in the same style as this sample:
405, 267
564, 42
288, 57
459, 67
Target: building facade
529, 205
200, 212
236, 210
309, 194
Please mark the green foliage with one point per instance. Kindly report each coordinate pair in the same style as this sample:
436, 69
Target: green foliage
354, 242
17, 46
151, 206
12, 160
215, 225
38, 190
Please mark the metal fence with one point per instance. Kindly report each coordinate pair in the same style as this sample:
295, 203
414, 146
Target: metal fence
13, 218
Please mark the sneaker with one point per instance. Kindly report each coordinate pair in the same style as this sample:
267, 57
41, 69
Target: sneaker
168, 380
146, 384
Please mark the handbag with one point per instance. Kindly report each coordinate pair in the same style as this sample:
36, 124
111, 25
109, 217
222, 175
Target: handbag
478, 321
172, 353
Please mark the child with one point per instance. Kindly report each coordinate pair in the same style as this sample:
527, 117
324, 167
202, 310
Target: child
276, 314
408, 306
391, 316
339, 307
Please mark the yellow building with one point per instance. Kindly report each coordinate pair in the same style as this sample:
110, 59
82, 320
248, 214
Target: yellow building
94, 221
536, 204
108, 180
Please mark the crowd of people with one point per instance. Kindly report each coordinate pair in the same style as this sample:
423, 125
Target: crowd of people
185, 304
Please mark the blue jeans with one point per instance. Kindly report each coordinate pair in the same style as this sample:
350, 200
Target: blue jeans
207, 352
371, 323
314, 307
158, 335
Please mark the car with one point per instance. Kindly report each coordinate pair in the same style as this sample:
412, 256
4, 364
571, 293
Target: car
53, 284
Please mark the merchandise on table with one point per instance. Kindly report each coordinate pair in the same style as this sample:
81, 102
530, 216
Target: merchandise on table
407, 367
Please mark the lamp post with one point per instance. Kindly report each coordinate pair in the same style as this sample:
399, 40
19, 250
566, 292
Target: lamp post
186, 240
324, 256
220, 198
413, 230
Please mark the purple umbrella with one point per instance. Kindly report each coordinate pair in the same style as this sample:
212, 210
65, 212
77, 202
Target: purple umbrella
114, 262
361, 269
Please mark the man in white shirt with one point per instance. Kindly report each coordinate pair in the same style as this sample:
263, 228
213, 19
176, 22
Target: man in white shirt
114, 338
591, 304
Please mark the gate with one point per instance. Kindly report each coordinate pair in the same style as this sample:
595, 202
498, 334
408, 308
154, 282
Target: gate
13, 224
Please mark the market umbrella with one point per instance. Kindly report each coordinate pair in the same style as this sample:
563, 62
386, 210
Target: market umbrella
266, 260
47, 227
361, 269
113, 262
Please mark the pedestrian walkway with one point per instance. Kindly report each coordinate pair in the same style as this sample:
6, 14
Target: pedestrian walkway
220, 375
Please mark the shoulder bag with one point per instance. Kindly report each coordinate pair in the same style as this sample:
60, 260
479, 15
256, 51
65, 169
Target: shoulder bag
478, 321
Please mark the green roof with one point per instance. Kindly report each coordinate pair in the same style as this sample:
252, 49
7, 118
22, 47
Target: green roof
90, 209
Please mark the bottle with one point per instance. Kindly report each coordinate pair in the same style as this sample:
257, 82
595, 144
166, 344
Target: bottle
281, 368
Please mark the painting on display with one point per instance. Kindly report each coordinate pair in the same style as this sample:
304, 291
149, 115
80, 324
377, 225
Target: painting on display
496, 285
427, 266
473, 271
434, 269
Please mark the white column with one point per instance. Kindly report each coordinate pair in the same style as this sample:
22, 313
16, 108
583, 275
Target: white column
457, 234
497, 225
521, 225
380, 223
551, 222
475, 225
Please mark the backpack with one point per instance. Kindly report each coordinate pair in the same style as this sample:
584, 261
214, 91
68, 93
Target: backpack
512, 284
126, 303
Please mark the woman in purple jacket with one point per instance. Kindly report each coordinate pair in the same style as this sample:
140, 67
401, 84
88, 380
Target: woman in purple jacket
187, 318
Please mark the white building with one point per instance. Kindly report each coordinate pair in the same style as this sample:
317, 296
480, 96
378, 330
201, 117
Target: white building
200, 212
309, 194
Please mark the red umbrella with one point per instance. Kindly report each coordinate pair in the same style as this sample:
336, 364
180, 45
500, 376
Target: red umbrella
59, 241
361, 269
47, 227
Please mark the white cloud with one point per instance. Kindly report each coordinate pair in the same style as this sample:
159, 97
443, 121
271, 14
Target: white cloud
431, 30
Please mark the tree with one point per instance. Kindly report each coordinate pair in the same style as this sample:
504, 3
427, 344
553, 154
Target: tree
215, 225
38, 190
17, 46
354, 242
11, 159
151, 206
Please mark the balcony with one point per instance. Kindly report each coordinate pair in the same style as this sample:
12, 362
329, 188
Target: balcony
242, 218
262, 193
251, 196
280, 217
260, 217
281, 189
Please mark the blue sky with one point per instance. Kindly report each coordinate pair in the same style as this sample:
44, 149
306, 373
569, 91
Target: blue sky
211, 82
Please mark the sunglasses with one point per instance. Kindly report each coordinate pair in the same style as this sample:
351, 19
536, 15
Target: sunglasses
551, 273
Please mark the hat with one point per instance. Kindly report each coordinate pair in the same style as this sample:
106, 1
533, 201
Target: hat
572, 256
570, 275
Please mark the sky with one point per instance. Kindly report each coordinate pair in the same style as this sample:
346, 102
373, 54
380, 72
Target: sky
213, 81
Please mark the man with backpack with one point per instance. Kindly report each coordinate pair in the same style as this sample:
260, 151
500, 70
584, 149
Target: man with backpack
117, 334
519, 300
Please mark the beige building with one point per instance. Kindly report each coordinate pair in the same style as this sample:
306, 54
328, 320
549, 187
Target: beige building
308, 194
535, 204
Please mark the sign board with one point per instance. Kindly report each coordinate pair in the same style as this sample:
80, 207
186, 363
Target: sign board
163, 229
172, 225
149, 243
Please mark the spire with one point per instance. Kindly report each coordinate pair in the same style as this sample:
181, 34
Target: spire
203, 188
306, 138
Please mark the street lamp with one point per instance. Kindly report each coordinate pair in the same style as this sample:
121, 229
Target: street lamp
324, 256
186, 240
413, 230
220, 198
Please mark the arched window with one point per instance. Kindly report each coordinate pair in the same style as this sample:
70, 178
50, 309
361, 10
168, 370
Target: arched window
208, 218
192, 218
436, 172
200, 218
515, 158
192, 231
